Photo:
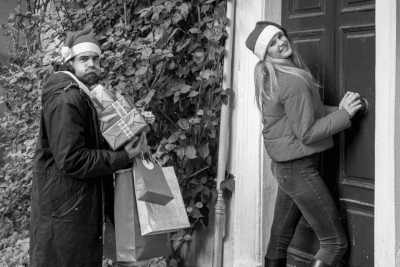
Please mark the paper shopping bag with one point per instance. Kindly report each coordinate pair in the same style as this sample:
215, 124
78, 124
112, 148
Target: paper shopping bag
130, 245
150, 182
116, 111
155, 219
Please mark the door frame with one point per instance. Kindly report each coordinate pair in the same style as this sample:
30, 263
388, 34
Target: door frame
387, 134
250, 243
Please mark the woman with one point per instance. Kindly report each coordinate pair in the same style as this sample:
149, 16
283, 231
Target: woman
297, 128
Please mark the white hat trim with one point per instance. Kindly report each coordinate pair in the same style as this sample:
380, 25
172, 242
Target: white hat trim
79, 48
263, 40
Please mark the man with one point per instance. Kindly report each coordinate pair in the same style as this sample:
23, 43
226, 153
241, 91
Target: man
72, 166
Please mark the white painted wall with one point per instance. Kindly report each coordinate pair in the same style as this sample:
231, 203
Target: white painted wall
387, 135
255, 186
248, 213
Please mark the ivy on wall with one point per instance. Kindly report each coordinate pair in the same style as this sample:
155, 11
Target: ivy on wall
166, 56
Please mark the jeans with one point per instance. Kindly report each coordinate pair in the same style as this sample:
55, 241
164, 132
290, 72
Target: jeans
303, 192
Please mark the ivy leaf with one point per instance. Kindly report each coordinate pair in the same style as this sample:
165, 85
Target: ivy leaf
161, 37
184, 10
205, 8
190, 152
199, 205
141, 71
176, 98
186, 88
205, 74
228, 184
193, 94
183, 45
176, 18
203, 150
129, 71
184, 124
180, 153
173, 138
198, 57
169, 147
177, 243
196, 213
195, 30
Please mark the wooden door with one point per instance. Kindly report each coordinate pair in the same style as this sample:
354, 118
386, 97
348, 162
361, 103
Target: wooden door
336, 38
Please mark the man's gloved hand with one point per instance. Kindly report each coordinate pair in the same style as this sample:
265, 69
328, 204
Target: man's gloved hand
136, 145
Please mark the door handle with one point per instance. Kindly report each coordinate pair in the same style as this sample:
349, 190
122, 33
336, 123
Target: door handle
364, 106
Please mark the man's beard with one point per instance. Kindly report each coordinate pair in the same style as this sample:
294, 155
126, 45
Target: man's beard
90, 78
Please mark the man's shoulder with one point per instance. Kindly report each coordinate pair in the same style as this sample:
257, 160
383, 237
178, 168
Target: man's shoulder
62, 87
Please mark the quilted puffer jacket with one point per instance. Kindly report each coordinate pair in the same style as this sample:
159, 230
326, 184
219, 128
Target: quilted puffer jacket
297, 123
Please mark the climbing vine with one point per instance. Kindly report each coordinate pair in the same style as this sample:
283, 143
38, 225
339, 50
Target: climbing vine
166, 56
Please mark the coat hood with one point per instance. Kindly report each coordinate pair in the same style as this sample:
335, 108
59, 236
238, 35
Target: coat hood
55, 84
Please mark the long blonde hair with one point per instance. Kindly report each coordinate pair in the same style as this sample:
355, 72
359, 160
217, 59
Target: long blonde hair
265, 76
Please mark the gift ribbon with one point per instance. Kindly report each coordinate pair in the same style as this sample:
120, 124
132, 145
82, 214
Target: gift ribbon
119, 109
109, 114
125, 129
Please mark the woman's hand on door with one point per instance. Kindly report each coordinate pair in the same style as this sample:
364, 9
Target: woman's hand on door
351, 102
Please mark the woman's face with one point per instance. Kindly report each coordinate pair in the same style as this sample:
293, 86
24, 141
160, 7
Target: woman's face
279, 47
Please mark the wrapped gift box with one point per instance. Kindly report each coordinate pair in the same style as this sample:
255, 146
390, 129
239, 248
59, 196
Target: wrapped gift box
114, 112
102, 98
132, 124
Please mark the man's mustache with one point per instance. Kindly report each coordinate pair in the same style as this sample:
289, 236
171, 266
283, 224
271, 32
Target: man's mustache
94, 70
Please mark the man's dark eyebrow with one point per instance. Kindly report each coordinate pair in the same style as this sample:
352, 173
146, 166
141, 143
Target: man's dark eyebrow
86, 57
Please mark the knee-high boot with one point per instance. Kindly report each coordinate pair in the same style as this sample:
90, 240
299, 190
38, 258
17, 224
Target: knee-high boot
275, 262
317, 263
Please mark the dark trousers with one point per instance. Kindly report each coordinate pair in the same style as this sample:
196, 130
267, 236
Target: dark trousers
303, 192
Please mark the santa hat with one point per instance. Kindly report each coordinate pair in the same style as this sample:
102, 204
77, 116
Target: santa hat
79, 42
260, 37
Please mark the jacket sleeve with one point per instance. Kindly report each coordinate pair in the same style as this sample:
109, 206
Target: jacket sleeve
64, 119
330, 109
300, 105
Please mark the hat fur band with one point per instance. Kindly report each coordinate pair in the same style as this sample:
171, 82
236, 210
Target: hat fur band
263, 40
69, 53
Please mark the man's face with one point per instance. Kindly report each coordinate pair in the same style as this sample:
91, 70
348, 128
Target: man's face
86, 67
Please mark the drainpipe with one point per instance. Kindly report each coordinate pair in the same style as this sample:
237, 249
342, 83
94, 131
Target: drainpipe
224, 138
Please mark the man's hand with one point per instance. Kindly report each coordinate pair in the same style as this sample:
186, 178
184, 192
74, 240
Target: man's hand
351, 102
136, 145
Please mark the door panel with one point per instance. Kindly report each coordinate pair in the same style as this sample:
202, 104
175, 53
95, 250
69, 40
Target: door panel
355, 57
305, 8
337, 41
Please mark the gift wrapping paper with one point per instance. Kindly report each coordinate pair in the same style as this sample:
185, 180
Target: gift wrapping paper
115, 112
104, 96
132, 124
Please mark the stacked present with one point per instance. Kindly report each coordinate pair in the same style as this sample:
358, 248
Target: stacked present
119, 120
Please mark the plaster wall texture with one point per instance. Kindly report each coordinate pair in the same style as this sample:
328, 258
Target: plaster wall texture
387, 139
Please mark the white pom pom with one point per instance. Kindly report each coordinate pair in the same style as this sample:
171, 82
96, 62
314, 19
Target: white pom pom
65, 51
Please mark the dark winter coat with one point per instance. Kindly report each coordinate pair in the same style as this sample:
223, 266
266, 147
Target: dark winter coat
71, 171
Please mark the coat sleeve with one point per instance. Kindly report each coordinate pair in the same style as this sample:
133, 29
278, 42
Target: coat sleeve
300, 105
64, 119
330, 109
